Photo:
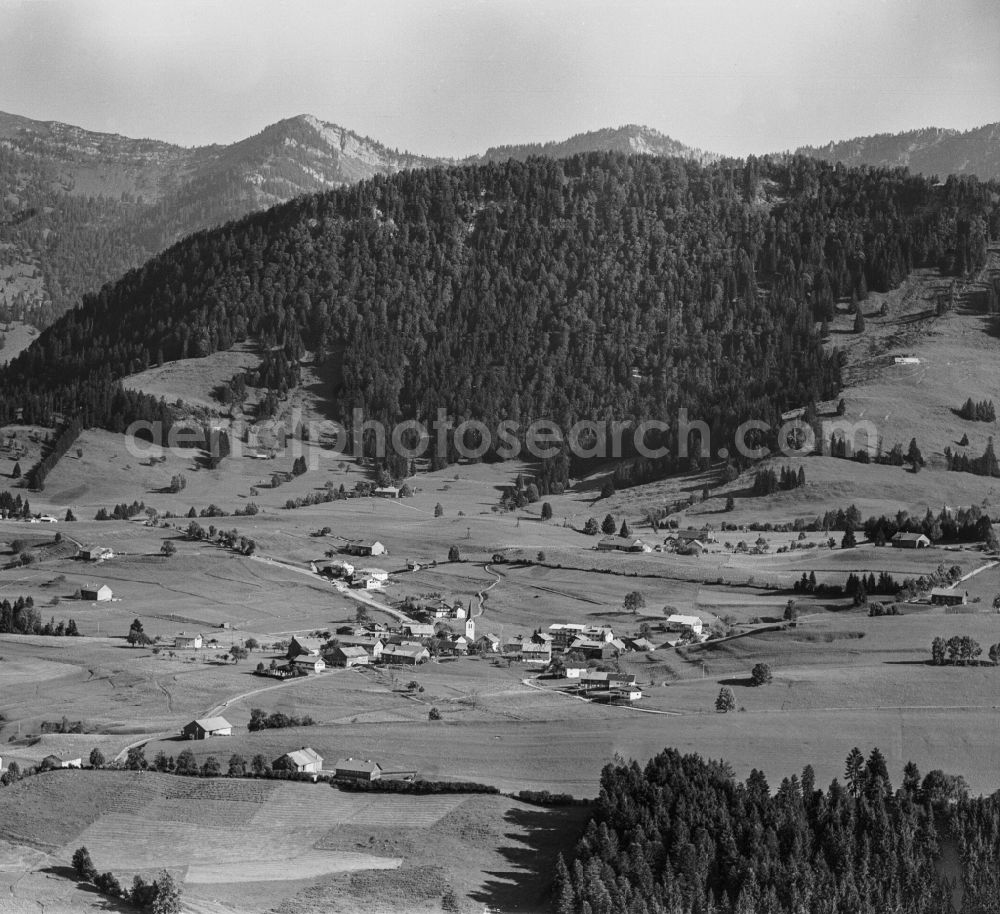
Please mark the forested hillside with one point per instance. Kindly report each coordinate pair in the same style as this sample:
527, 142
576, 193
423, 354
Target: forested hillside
682, 836
930, 151
78, 208
598, 287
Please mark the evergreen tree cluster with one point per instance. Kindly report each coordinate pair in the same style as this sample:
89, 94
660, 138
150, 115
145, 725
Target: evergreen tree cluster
20, 617
986, 465
56, 450
123, 511
949, 525
681, 836
597, 286
983, 411
14, 506
767, 482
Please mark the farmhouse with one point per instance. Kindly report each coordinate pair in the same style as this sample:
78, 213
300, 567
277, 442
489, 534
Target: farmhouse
406, 654
386, 492
678, 623
309, 663
56, 761
348, 656
703, 536
944, 596
207, 727
364, 547
337, 568
100, 594
95, 553
487, 644
594, 679
622, 544
910, 541
625, 692
531, 652
302, 646
640, 644
187, 640
593, 649
372, 646
302, 760
358, 769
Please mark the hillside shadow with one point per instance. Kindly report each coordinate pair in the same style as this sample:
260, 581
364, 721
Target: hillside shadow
742, 681
531, 852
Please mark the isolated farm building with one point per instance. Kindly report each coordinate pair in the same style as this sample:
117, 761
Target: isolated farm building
95, 553
302, 760
406, 654
187, 640
944, 596
303, 646
309, 663
100, 594
536, 653
622, 544
358, 769
364, 547
386, 492
349, 655
57, 761
679, 623
910, 541
207, 727
418, 630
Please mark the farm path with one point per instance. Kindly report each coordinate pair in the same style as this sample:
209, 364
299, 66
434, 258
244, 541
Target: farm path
974, 572
483, 595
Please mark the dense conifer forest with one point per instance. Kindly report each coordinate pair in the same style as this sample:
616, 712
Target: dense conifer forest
682, 836
597, 287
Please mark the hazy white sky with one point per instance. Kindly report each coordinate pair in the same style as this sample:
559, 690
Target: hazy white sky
451, 77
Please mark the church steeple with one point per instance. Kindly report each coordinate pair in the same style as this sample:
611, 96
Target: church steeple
470, 624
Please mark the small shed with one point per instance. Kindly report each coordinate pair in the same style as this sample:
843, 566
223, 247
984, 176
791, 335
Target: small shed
100, 594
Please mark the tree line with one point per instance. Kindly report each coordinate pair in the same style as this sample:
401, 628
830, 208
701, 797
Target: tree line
594, 287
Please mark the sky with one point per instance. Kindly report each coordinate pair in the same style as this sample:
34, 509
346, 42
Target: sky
453, 77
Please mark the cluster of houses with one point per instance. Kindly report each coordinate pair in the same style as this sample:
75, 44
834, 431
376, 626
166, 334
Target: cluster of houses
362, 578
682, 542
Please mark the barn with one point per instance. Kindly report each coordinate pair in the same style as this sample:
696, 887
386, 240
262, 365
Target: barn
349, 655
100, 594
910, 541
358, 769
945, 596
301, 760
207, 727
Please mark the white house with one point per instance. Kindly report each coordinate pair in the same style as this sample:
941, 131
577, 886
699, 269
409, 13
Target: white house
189, 641
364, 547
679, 623
378, 574
57, 761
309, 663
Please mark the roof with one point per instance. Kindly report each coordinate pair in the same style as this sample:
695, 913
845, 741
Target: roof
362, 766
643, 644
304, 756
622, 542
684, 620
307, 658
689, 534
352, 650
567, 626
408, 650
310, 644
419, 628
946, 592
213, 723
364, 543
909, 537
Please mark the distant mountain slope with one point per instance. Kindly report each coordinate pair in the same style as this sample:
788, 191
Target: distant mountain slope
631, 139
79, 208
930, 151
